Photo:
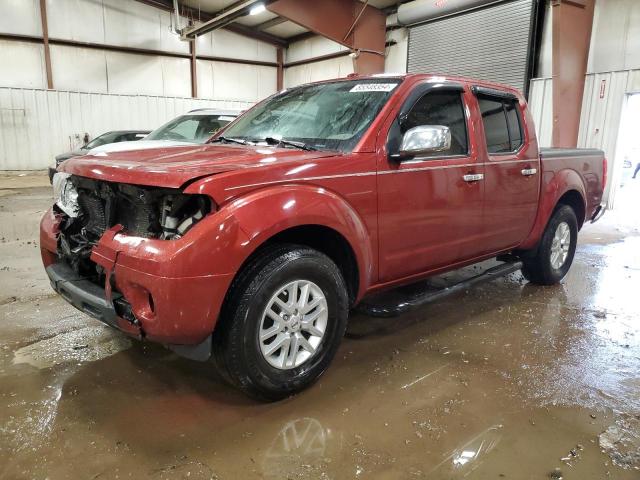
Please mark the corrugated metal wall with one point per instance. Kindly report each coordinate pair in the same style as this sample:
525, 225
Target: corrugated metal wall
316, 71
604, 98
541, 104
126, 23
489, 43
36, 125
602, 107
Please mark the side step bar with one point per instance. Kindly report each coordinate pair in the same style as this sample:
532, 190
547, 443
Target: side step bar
380, 305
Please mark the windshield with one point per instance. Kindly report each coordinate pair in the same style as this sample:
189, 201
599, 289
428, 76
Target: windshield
105, 138
326, 116
190, 128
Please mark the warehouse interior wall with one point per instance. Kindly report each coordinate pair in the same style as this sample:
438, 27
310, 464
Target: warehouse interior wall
37, 124
543, 68
101, 89
308, 62
315, 47
124, 23
97, 77
396, 53
613, 73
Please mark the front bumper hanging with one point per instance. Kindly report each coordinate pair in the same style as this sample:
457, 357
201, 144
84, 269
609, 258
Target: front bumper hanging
88, 297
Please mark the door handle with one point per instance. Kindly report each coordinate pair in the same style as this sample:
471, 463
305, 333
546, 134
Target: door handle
527, 172
473, 177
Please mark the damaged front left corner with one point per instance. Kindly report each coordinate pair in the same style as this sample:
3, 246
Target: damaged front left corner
65, 194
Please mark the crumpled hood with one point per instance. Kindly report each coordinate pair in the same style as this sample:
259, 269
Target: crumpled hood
173, 166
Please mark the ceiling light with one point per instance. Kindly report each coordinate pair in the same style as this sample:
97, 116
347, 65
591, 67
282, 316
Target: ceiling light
256, 9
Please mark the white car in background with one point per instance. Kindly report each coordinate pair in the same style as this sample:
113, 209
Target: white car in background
194, 127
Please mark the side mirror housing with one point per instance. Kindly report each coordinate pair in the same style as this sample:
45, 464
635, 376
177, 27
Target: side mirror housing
424, 140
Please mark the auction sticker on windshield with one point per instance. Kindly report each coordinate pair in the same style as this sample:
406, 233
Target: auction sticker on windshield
374, 87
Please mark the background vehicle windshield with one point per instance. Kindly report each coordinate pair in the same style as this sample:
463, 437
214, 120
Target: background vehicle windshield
103, 139
190, 128
326, 116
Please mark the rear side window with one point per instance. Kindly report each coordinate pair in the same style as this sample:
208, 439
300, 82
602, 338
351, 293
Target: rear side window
441, 108
502, 126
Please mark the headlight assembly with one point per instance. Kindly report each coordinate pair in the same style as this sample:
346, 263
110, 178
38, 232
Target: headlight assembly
65, 194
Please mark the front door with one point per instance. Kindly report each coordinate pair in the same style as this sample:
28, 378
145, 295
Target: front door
430, 207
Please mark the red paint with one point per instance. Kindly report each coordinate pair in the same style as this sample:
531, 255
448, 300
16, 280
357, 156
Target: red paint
404, 221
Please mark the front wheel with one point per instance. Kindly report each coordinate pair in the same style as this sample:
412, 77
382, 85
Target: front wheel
282, 323
554, 255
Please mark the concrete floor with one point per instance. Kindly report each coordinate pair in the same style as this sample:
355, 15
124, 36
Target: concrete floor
506, 381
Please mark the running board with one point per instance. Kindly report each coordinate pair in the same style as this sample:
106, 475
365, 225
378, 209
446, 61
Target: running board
385, 305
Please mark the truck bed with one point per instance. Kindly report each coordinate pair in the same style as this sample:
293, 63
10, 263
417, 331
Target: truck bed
588, 163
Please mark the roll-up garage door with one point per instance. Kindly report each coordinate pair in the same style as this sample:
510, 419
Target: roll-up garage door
489, 43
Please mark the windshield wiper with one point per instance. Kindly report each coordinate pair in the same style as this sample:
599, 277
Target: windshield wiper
229, 140
278, 142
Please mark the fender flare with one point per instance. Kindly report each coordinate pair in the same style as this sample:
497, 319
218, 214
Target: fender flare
264, 213
551, 192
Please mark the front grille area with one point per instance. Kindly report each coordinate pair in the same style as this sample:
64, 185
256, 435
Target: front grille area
103, 205
148, 212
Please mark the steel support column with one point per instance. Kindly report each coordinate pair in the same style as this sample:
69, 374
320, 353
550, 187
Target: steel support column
280, 72
571, 30
45, 41
351, 23
194, 75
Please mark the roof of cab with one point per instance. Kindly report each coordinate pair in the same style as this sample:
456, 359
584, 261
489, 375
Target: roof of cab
436, 77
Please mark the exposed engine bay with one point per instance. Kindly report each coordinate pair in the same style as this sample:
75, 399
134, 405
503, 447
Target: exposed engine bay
90, 207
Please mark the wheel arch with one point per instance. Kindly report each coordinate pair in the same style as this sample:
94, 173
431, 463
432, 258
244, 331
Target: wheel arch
328, 241
565, 188
575, 200
309, 216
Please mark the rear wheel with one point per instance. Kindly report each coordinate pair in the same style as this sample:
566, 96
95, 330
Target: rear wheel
282, 323
553, 257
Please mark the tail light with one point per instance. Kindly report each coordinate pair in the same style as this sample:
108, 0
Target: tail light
604, 173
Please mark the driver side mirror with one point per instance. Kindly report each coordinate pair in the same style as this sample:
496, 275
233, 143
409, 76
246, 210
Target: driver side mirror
424, 140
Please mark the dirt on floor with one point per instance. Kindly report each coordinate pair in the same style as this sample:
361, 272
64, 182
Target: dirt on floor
507, 380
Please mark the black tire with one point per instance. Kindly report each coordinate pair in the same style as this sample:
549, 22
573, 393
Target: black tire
538, 267
236, 346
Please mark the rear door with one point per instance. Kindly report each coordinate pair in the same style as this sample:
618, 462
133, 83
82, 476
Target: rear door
430, 207
512, 170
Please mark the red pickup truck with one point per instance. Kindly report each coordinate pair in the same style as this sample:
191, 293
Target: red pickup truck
253, 248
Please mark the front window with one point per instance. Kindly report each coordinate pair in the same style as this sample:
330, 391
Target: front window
325, 116
190, 128
441, 108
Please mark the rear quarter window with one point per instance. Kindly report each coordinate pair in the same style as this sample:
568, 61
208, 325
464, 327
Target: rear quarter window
502, 124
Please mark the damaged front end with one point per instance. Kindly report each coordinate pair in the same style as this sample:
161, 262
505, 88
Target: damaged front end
89, 211
88, 208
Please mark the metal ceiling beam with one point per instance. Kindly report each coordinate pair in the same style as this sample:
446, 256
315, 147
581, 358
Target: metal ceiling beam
302, 36
134, 50
198, 15
351, 23
271, 23
257, 34
221, 19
